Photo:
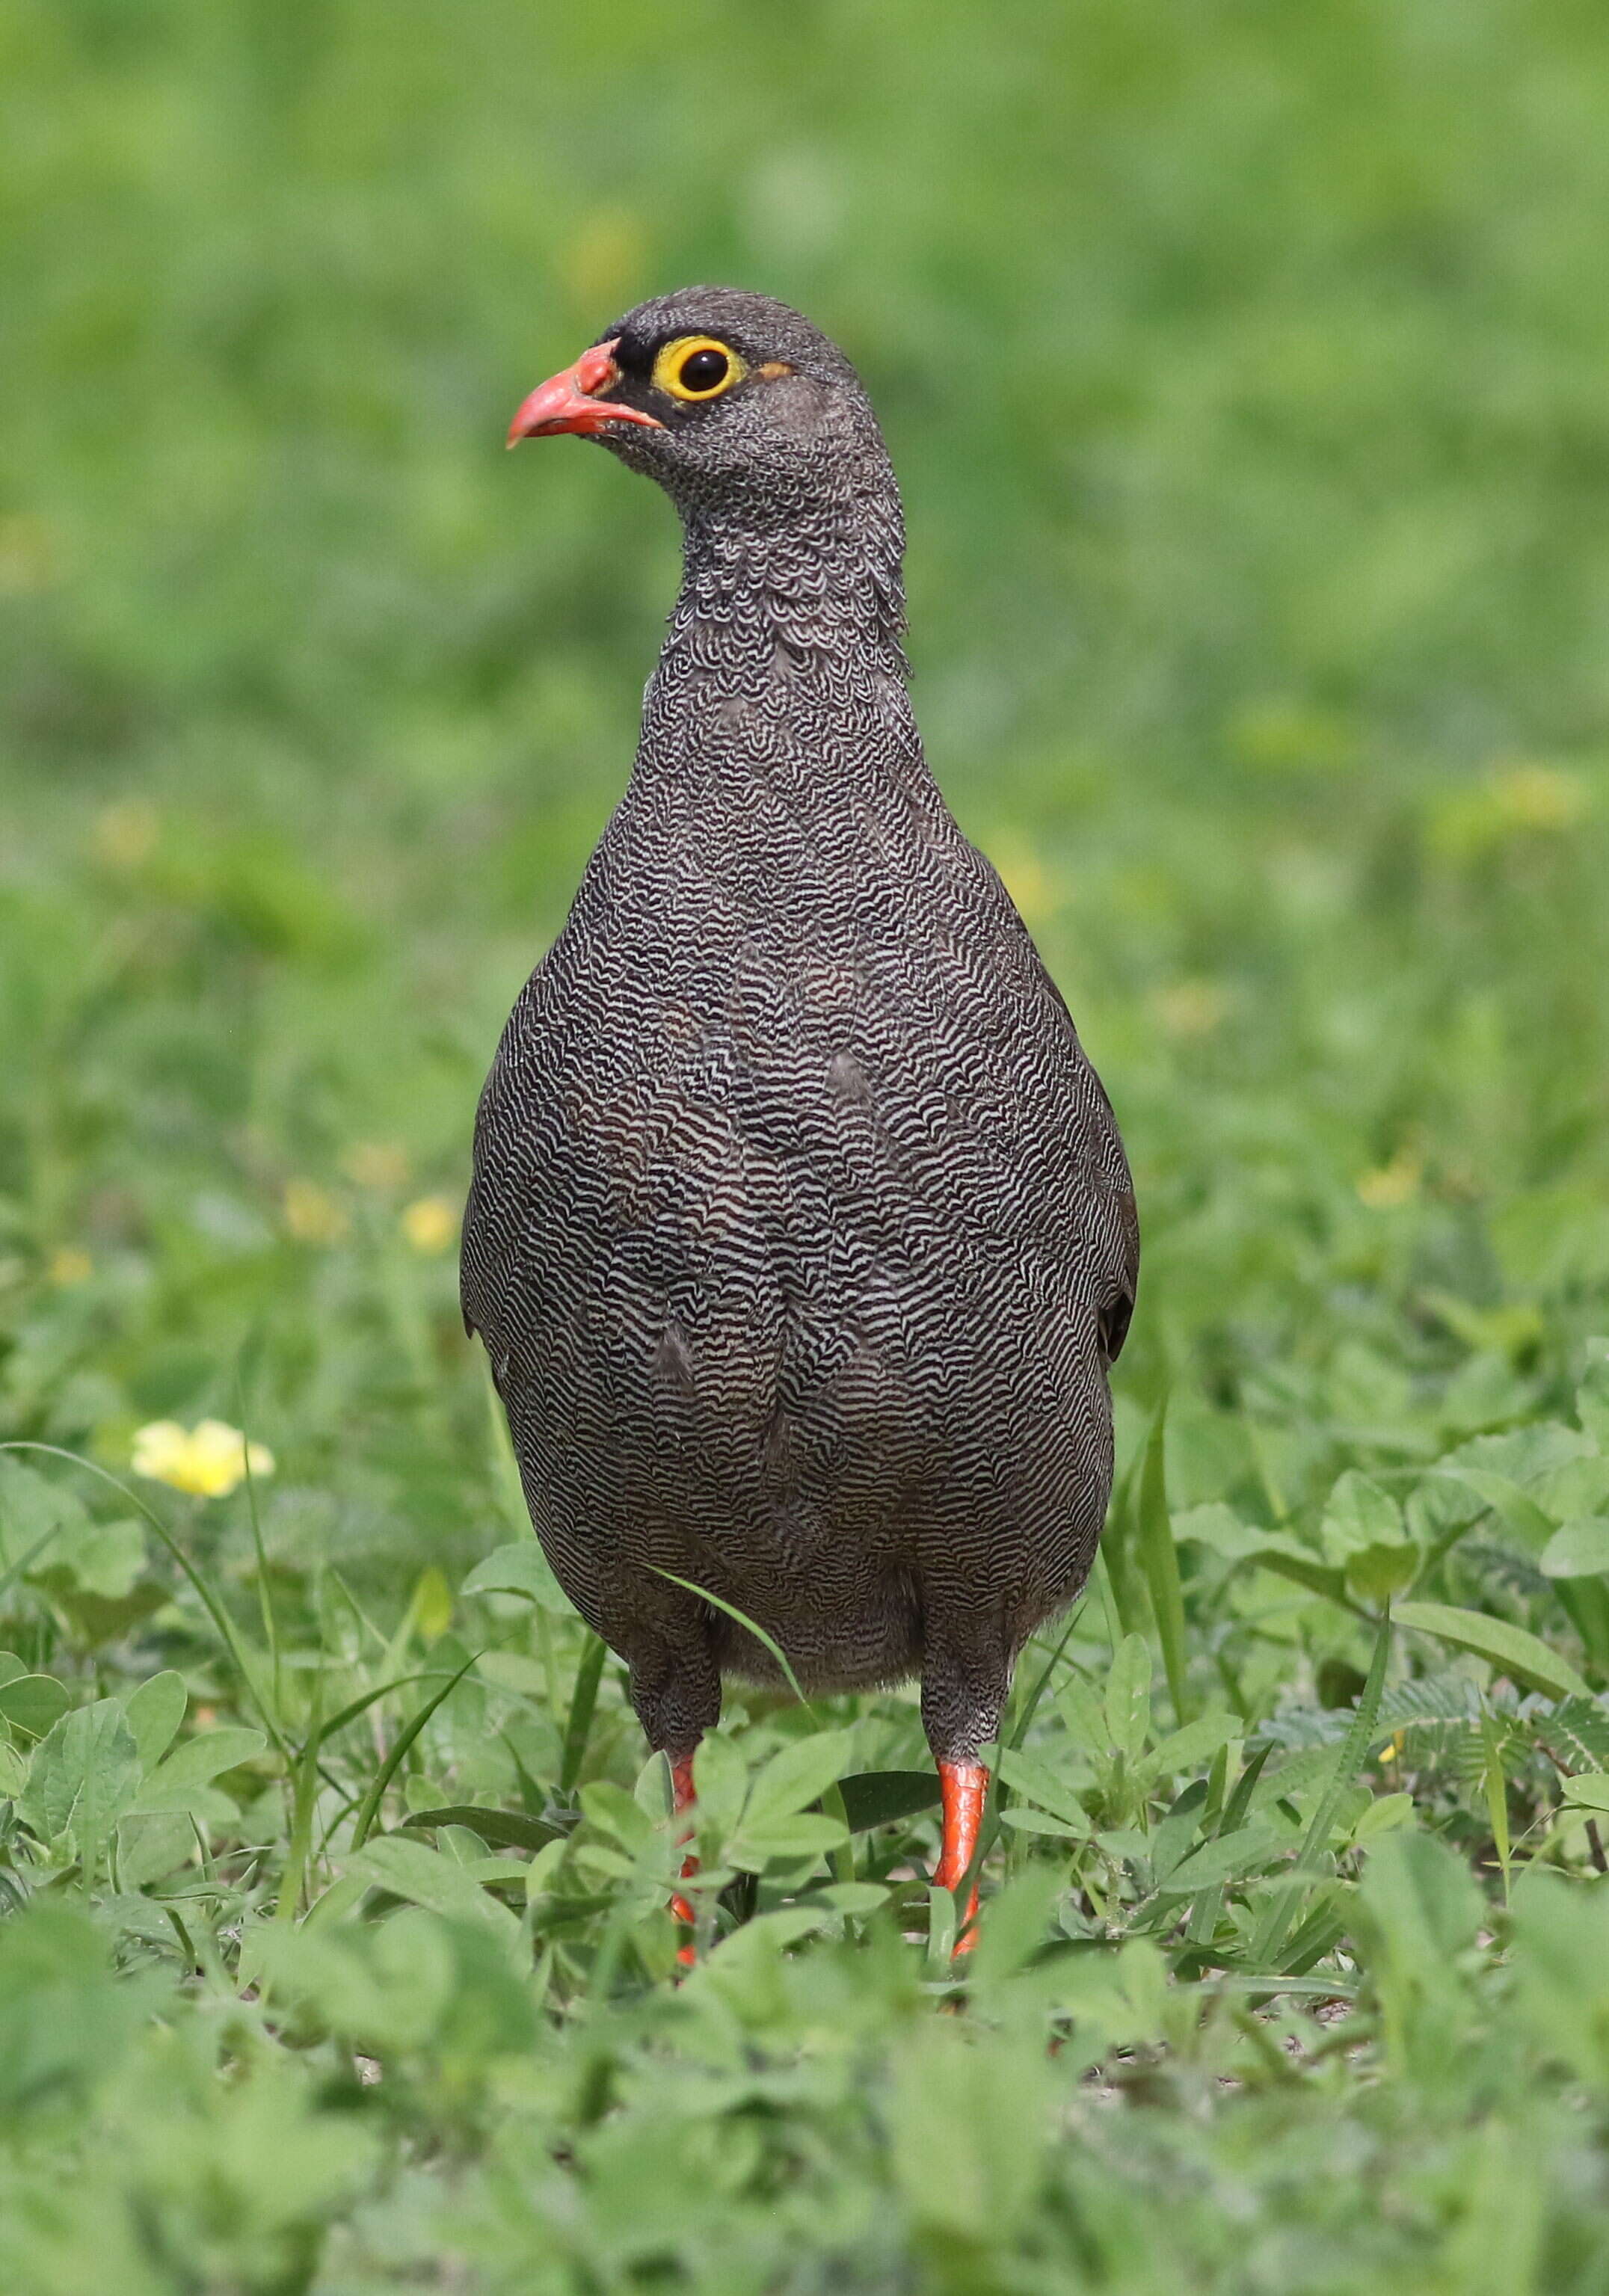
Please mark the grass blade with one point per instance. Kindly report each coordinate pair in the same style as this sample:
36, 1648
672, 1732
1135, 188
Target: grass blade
1159, 1560
1354, 1746
583, 1700
388, 1768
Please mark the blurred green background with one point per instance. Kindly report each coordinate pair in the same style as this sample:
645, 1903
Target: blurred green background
1245, 371
1247, 378
1246, 367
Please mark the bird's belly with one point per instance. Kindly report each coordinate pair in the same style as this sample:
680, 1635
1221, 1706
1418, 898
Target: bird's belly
822, 1465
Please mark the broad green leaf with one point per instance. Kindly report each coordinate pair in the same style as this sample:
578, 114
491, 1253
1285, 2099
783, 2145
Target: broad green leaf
33, 1702
1358, 1514
1039, 1780
1374, 1573
1384, 1812
1515, 1509
1229, 1858
803, 1835
1515, 1652
505, 1829
82, 1778
1128, 1698
1021, 1819
613, 1811
1218, 1528
425, 1877
1288, 1561
519, 1567
1085, 1716
150, 1848
1589, 1790
1177, 1831
883, 1797
1197, 1742
968, 2128
206, 1756
1577, 1550
720, 1783
103, 1558
153, 1713
514, 1670
800, 1775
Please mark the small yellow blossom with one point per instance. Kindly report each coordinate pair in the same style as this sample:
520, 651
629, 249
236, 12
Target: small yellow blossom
1192, 1008
430, 1224
208, 1460
126, 832
27, 554
1542, 797
375, 1164
1524, 800
312, 1214
71, 1265
1391, 1184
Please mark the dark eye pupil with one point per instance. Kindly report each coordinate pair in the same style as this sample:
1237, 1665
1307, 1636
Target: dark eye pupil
704, 371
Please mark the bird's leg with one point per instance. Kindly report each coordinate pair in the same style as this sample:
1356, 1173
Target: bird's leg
964, 1786
682, 1798
966, 1675
675, 1690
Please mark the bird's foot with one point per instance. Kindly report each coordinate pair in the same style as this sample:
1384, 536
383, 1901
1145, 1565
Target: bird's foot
682, 1798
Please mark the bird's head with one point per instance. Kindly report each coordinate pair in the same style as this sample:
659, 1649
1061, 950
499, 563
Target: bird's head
735, 404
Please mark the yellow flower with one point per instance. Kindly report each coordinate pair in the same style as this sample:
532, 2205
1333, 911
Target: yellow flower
1192, 1008
126, 832
375, 1164
1391, 1184
208, 1460
1542, 797
1526, 800
430, 1224
71, 1265
28, 555
312, 1214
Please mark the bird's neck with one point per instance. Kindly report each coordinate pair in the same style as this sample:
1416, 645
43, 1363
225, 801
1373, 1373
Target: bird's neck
828, 576
784, 643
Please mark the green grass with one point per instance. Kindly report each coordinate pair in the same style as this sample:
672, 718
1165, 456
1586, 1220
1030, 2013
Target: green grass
1245, 367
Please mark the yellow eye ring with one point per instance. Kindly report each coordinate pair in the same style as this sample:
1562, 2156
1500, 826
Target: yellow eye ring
697, 367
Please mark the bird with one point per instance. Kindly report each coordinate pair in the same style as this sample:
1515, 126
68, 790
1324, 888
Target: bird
801, 1235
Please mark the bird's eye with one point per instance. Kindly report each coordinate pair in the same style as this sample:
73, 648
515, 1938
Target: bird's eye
696, 367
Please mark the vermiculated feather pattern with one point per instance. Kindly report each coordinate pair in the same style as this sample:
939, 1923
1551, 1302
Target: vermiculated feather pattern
800, 1234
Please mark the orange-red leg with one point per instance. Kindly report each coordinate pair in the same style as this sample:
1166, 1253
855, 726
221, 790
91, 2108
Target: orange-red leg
964, 1786
681, 1796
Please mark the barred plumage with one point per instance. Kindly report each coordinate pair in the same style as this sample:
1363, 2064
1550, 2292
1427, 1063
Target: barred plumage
802, 1235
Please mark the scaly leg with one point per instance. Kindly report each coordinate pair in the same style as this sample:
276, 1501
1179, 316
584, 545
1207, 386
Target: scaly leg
964, 1786
682, 1795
